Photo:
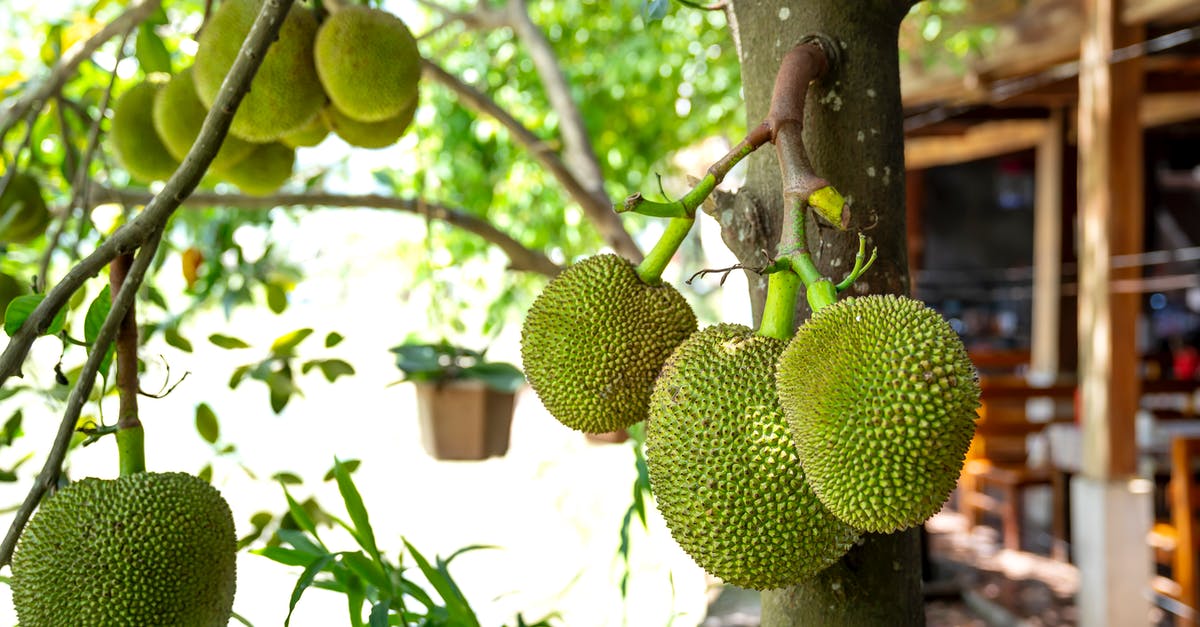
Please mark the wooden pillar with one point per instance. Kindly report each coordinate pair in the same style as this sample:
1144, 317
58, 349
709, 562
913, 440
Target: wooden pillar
1047, 249
1111, 518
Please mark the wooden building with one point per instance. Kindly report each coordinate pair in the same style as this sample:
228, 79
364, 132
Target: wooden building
1054, 215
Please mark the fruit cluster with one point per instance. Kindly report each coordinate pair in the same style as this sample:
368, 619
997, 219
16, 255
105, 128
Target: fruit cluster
356, 74
767, 457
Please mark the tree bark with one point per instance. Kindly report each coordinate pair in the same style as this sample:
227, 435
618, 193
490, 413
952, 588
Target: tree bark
854, 136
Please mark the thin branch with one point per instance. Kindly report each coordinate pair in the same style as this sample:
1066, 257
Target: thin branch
136, 232
35, 97
599, 210
79, 183
520, 257
48, 477
577, 146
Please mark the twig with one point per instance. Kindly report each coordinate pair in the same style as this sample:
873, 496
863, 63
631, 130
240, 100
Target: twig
79, 184
520, 257
49, 474
598, 210
136, 232
34, 98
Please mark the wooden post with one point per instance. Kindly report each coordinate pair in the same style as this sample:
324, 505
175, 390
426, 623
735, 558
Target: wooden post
1111, 519
1047, 250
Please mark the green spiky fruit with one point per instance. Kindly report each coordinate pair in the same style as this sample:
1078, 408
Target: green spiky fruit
724, 470
369, 134
144, 549
368, 63
881, 399
264, 170
134, 139
594, 340
307, 136
285, 92
178, 116
23, 213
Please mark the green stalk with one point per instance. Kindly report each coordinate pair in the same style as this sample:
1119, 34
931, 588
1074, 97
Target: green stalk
651, 268
131, 450
779, 312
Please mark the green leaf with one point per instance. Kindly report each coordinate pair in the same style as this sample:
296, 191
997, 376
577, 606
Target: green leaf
239, 373
152, 53
96, 313
370, 571
285, 345
21, 307
206, 423
52, 46
299, 515
498, 376
227, 342
306, 579
205, 473
350, 465
12, 427
282, 388
460, 612
379, 614
287, 478
277, 299
284, 555
331, 368
357, 511
333, 339
300, 541
173, 338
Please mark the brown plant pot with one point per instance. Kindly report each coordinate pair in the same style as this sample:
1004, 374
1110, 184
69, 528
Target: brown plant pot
464, 420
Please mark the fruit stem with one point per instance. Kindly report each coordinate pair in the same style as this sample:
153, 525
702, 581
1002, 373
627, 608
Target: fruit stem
686, 207
779, 312
131, 449
651, 268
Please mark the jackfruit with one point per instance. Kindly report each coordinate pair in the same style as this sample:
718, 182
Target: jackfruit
23, 213
135, 141
881, 398
178, 116
144, 549
285, 92
263, 171
368, 63
311, 134
724, 470
594, 340
369, 134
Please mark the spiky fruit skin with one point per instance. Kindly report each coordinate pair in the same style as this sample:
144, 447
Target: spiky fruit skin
263, 171
134, 139
724, 470
285, 92
178, 117
368, 63
144, 549
881, 397
594, 340
369, 134
23, 213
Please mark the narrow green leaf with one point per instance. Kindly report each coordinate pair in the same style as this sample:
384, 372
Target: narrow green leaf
282, 388
333, 339
277, 300
350, 465
96, 313
205, 474
173, 338
12, 428
379, 614
284, 555
306, 579
355, 508
206, 423
152, 53
287, 478
368, 570
300, 542
228, 342
456, 605
239, 373
303, 520
285, 345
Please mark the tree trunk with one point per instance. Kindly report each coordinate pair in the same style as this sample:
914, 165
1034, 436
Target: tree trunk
854, 136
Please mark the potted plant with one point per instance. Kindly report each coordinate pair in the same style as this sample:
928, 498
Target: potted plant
464, 402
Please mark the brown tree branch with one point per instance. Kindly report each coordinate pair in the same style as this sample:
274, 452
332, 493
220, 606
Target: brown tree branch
35, 97
599, 210
520, 256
